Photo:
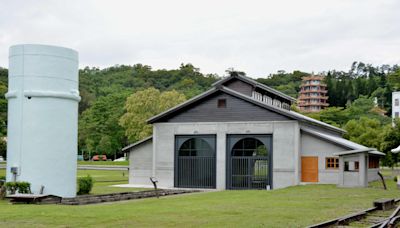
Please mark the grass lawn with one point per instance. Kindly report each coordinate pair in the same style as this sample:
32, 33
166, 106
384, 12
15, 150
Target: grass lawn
297, 206
103, 163
290, 207
103, 179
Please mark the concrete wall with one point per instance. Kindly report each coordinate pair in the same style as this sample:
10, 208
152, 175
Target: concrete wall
313, 146
373, 175
285, 148
353, 178
141, 164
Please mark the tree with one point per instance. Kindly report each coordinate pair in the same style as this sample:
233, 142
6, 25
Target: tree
99, 131
144, 104
391, 140
365, 131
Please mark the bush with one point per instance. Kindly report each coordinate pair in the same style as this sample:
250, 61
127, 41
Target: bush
2, 187
395, 179
85, 185
20, 187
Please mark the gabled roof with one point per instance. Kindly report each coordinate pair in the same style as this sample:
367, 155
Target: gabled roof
137, 143
255, 84
371, 151
290, 114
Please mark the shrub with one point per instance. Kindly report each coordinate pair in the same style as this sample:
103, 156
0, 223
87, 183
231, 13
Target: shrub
395, 178
2, 187
85, 185
20, 187
24, 187
2, 180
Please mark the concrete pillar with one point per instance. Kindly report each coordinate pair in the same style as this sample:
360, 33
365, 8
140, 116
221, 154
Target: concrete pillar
341, 172
221, 161
297, 154
43, 101
363, 170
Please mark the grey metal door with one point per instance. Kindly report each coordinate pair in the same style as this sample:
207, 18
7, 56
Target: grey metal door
249, 161
195, 162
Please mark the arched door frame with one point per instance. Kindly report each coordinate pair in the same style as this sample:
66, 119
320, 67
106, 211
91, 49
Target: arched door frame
211, 164
232, 139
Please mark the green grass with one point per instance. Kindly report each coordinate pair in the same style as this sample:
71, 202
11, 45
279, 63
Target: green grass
297, 206
103, 163
291, 207
103, 179
106, 163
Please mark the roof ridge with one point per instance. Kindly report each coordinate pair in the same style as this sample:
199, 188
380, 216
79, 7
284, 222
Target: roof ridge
256, 84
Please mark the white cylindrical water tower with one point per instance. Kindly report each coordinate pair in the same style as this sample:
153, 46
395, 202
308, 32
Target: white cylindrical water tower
42, 129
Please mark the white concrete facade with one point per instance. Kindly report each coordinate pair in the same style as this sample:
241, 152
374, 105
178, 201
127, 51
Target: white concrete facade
395, 105
156, 157
141, 168
285, 136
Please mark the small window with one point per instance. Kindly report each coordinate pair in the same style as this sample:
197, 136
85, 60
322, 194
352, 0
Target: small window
221, 103
351, 166
332, 163
396, 114
396, 102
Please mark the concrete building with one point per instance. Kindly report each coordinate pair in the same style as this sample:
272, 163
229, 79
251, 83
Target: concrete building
240, 134
313, 94
395, 104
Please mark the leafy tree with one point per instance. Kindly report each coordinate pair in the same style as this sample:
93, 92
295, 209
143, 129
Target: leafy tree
391, 140
99, 131
144, 104
365, 131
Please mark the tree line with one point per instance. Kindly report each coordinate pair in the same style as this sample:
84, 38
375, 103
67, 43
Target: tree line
117, 100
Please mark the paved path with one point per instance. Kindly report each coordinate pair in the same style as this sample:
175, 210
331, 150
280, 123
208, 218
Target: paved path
92, 167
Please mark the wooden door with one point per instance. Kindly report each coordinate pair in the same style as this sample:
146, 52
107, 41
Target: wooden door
309, 169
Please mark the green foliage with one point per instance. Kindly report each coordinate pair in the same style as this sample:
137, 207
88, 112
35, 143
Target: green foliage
99, 131
104, 94
391, 140
365, 131
144, 104
18, 187
85, 185
288, 83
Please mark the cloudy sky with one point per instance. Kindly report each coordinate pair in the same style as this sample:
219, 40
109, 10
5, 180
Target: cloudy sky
258, 37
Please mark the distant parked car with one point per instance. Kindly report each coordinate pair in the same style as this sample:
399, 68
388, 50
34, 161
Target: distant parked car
120, 159
99, 158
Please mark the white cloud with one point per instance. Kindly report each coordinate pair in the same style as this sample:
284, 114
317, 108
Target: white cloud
258, 37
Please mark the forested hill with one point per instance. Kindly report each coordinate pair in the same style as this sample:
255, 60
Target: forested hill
104, 95
96, 83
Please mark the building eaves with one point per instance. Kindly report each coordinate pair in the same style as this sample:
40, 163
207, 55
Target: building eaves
372, 151
137, 143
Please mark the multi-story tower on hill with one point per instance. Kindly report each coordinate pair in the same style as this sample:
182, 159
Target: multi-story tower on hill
313, 92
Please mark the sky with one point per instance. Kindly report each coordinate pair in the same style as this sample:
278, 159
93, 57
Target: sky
257, 37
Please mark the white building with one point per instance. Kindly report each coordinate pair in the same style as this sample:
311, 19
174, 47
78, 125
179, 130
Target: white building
395, 104
241, 134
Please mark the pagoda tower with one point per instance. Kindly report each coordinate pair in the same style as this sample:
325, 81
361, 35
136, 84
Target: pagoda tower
313, 94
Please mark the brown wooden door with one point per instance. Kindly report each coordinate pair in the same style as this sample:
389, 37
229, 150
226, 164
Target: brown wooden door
309, 169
